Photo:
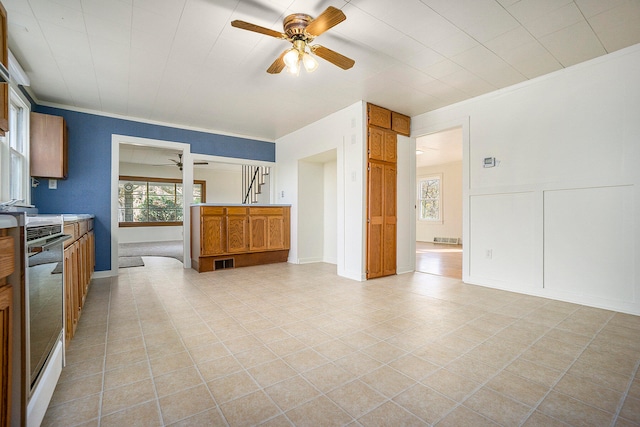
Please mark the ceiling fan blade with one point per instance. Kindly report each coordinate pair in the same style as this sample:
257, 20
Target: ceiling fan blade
257, 29
334, 57
278, 65
200, 163
326, 20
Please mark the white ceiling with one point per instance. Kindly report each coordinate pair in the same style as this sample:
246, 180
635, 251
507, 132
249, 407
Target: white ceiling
439, 148
181, 62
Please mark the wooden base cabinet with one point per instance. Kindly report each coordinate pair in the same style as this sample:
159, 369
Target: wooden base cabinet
79, 264
7, 267
6, 341
238, 236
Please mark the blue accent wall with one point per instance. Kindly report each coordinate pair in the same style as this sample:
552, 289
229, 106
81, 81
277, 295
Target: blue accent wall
88, 186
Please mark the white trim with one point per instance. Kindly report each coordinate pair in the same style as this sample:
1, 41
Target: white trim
466, 219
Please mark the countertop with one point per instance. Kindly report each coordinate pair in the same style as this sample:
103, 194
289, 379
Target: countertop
76, 217
252, 205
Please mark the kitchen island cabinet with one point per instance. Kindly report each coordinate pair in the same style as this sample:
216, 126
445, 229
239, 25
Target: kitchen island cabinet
228, 236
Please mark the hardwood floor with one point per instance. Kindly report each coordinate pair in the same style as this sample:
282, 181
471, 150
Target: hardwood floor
442, 260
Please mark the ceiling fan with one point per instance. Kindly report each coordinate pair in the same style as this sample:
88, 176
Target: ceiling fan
301, 29
179, 163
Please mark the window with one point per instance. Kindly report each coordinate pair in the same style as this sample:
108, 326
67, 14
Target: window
14, 152
430, 198
146, 201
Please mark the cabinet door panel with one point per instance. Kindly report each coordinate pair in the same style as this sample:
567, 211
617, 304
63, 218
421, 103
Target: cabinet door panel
237, 233
258, 238
276, 236
375, 215
376, 144
390, 219
400, 123
390, 147
379, 116
6, 331
212, 240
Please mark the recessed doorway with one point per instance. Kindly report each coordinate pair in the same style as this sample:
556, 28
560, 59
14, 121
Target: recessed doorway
439, 203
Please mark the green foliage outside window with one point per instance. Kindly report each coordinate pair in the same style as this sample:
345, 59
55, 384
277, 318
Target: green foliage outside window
430, 198
142, 201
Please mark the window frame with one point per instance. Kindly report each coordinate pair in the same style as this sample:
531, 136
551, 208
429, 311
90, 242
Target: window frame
148, 180
6, 151
431, 177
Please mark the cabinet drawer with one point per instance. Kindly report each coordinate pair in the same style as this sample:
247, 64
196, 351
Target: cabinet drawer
70, 229
212, 210
266, 211
236, 211
83, 227
7, 260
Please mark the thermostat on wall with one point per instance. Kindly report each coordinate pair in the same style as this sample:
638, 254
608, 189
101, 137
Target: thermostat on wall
489, 162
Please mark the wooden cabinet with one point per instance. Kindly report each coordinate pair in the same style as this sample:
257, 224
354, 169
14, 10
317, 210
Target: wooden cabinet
4, 59
268, 231
237, 236
382, 145
382, 148
7, 267
400, 123
213, 231
378, 116
237, 230
79, 264
48, 146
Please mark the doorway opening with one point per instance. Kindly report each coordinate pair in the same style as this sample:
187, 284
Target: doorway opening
439, 207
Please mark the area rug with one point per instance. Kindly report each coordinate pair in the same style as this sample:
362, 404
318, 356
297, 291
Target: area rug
130, 261
171, 249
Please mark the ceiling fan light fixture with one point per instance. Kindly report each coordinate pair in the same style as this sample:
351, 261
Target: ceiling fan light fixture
309, 62
291, 58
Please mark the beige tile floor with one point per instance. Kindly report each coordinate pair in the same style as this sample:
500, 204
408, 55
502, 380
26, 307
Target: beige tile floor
297, 345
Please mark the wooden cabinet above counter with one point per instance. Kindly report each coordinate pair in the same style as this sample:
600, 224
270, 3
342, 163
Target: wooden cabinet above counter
238, 235
48, 146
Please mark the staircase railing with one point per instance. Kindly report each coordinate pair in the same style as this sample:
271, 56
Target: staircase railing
253, 178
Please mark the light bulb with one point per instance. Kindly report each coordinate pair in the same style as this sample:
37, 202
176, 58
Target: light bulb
294, 69
291, 58
310, 63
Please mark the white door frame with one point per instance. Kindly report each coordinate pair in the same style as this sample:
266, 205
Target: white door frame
187, 183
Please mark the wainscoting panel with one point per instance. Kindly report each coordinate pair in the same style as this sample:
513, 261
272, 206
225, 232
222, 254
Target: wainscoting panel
588, 242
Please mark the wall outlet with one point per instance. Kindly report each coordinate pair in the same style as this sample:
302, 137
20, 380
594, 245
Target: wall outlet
488, 254
53, 184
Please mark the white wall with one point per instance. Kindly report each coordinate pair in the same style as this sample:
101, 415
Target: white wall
559, 216
330, 216
342, 131
451, 191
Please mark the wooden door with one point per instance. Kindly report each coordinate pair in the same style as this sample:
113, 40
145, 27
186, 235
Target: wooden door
258, 228
237, 232
381, 219
6, 331
70, 306
376, 143
276, 232
390, 219
212, 238
375, 219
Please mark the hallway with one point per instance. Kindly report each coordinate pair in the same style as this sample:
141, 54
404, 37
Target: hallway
439, 259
